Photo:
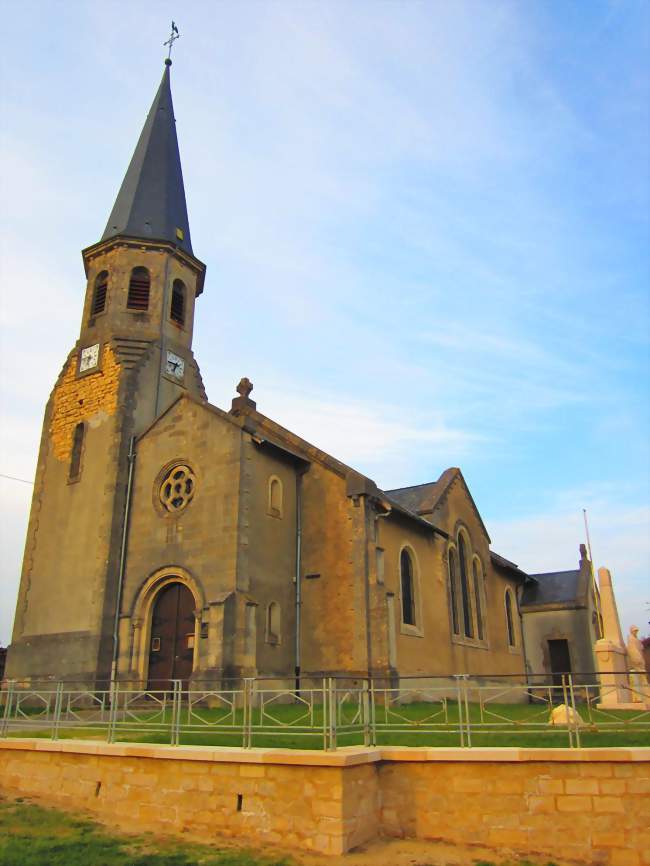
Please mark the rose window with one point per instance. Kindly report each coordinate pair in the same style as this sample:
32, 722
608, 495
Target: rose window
177, 488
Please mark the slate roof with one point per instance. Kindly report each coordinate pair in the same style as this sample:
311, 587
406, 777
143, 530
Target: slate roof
412, 515
422, 498
502, 562
553, 587
151, 201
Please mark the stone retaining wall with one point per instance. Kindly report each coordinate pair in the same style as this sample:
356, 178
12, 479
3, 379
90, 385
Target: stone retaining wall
589, 805
592, 810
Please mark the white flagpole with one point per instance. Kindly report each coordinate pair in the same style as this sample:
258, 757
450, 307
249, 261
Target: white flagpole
593, 577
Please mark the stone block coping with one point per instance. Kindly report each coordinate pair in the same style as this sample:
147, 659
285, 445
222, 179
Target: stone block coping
346, 756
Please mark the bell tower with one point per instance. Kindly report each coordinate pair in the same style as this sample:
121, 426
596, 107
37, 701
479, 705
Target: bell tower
142, 277
133, 358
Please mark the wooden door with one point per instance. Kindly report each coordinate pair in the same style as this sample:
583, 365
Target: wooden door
171, 650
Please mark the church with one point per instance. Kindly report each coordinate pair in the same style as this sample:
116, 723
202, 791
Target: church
172, 539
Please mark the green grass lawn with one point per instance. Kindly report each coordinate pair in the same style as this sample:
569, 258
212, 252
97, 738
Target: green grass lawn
415, 724
31, 835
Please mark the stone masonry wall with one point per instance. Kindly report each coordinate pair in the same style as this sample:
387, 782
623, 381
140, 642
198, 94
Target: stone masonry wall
81, 399
588, 806
595, 812
172, 792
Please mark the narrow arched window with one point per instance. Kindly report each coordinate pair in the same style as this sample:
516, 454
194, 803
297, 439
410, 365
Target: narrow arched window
99, 294
464, 587
139, 284
273, 623
478, 607
77, 449
177, 310
510, 625
452, 590
275, 497
408, 588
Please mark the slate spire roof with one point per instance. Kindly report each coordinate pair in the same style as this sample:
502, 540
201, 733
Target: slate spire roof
151, 200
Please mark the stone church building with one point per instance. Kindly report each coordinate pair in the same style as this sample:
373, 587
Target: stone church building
172, 539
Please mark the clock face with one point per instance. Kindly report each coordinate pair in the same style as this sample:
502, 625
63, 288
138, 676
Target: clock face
175, 366
89, 358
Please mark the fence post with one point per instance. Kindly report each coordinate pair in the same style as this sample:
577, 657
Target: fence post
58, 702
333, 712
459, 703
247, 713
9, 698
575, 712
112, 719
468, 722
177, 696
244, 708
249, 686
365, 704
325, 716
565, 702
373, 715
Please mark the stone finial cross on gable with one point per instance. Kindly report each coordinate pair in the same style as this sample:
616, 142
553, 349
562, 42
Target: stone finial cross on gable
245, 387
243, 404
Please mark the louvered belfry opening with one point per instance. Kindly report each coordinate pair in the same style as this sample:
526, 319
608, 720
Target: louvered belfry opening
177, 312
99, 294
139, 289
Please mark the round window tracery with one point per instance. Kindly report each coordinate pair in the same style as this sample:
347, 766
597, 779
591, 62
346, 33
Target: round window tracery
177, 488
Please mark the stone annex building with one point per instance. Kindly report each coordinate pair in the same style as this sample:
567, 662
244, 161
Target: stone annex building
169, 538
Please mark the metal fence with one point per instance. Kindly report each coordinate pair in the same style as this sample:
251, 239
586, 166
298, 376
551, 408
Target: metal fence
330, 712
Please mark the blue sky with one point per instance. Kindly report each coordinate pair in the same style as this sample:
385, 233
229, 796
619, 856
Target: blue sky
426, 233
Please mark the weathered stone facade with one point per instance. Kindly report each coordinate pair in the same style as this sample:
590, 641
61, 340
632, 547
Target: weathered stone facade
562, 607
71, 569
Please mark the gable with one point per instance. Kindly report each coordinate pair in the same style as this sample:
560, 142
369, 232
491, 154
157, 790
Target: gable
422, 498
455, 505
437, 499
186, 403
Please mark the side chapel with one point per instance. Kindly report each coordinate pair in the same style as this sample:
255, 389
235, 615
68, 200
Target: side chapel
171, 539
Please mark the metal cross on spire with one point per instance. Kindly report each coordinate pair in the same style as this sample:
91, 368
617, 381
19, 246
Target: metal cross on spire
173, 37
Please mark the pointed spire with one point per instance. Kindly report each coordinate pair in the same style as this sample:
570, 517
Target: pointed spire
151, 200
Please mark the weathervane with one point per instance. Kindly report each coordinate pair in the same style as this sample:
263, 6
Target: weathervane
173, 37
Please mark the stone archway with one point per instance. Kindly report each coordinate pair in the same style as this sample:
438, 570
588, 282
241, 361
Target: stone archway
146, 608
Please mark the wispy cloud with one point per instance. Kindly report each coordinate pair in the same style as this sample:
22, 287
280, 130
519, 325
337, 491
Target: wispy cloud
367, 436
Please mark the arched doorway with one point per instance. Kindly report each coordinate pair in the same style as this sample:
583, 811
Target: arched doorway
171, 650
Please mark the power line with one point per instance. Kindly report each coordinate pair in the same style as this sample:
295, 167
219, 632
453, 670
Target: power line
13, 478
